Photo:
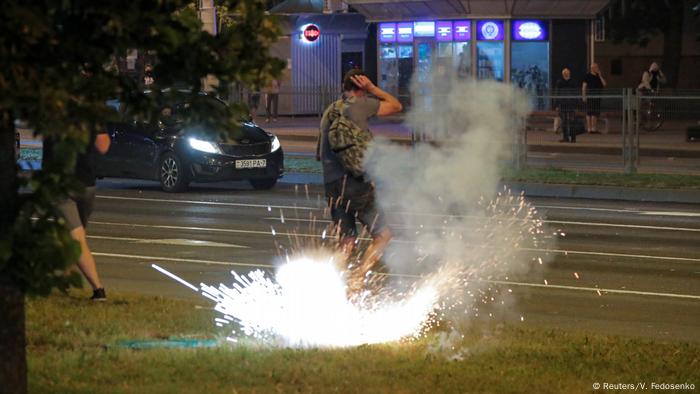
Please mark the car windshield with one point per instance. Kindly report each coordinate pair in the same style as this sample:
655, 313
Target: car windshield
175, 111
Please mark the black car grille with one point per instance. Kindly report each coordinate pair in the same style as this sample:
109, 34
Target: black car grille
260, 148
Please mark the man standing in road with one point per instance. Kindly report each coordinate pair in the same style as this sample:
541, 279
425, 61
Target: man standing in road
352, 197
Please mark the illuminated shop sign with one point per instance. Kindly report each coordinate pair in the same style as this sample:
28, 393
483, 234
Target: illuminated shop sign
424, 29
387, 32
461, 30
405, 32
489, 30
529, 30
443, 30
311, 33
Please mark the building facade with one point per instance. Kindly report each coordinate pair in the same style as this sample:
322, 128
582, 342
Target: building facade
319, 49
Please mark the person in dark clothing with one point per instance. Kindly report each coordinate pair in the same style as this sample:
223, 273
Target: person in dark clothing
652, 80
148, 78
76, 209
593, 83
351, 198
253, 101
272, 96
566, 106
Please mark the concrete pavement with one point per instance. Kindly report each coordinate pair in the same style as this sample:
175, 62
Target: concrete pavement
662, 143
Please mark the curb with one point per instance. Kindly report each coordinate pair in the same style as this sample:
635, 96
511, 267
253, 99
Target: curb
591, 192
588, 192
546, 148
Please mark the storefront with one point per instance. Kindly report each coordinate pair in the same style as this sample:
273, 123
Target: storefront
524, 42
419, 46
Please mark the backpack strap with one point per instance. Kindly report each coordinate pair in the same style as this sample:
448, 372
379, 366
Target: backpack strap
334, 111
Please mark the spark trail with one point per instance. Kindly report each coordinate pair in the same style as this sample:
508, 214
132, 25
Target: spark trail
305, 303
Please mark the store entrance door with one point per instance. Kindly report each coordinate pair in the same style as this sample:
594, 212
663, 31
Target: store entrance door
405, 73
424, 68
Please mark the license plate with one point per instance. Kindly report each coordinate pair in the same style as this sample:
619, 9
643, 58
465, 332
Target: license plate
254, 163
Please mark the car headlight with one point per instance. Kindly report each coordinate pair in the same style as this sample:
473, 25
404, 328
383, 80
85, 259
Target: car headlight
275, 144
204, 146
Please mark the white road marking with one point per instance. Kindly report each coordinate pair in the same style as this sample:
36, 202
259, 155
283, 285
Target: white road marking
597, 289
679, 214
629, 211
639, 256
575, 208
197, 202
180, 260
171, 241
507, 283
207, 229
637, 226
307, 208
598, 224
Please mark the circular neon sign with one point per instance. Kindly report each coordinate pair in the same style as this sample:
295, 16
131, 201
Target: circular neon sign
530, 30
490, 30
311, 33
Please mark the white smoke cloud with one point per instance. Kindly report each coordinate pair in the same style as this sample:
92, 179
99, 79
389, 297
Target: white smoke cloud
455, 227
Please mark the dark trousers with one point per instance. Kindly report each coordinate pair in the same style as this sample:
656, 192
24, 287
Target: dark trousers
271, 105
567, 120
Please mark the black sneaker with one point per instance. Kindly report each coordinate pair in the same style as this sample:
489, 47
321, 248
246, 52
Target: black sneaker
99, 295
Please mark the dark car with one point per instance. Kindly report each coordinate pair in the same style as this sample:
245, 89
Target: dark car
170, 153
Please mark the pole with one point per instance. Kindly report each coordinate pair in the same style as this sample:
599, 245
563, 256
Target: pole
626, 120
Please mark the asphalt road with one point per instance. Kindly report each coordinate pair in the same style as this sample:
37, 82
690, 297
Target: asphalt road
638, 264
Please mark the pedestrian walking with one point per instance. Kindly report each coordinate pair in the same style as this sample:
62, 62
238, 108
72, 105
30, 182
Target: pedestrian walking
350, 193
566, 106
593, 84
76, 209
272, 100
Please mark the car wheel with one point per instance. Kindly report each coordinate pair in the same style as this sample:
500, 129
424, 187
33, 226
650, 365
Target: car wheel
172, 174
263, 184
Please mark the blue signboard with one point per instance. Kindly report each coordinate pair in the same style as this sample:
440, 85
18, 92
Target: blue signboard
424, 29
405, 32
462, 30
489, 30
387, 32
530, 30
444, 31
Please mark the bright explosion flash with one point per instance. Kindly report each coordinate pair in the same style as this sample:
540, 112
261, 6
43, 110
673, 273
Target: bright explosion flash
306, 303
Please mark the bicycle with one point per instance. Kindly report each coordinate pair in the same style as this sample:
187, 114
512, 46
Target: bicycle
650, 118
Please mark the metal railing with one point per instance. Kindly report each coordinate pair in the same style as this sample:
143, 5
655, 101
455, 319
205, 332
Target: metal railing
636, 132
297, 101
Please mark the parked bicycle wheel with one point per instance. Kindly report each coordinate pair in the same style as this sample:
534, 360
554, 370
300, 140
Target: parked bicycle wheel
651, 118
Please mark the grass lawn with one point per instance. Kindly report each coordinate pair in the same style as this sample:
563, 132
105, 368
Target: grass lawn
654, 181
308, 165
71, 350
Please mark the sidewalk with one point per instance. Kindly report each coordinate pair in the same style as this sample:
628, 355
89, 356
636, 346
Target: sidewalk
662, 143
298, 136
584, 192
